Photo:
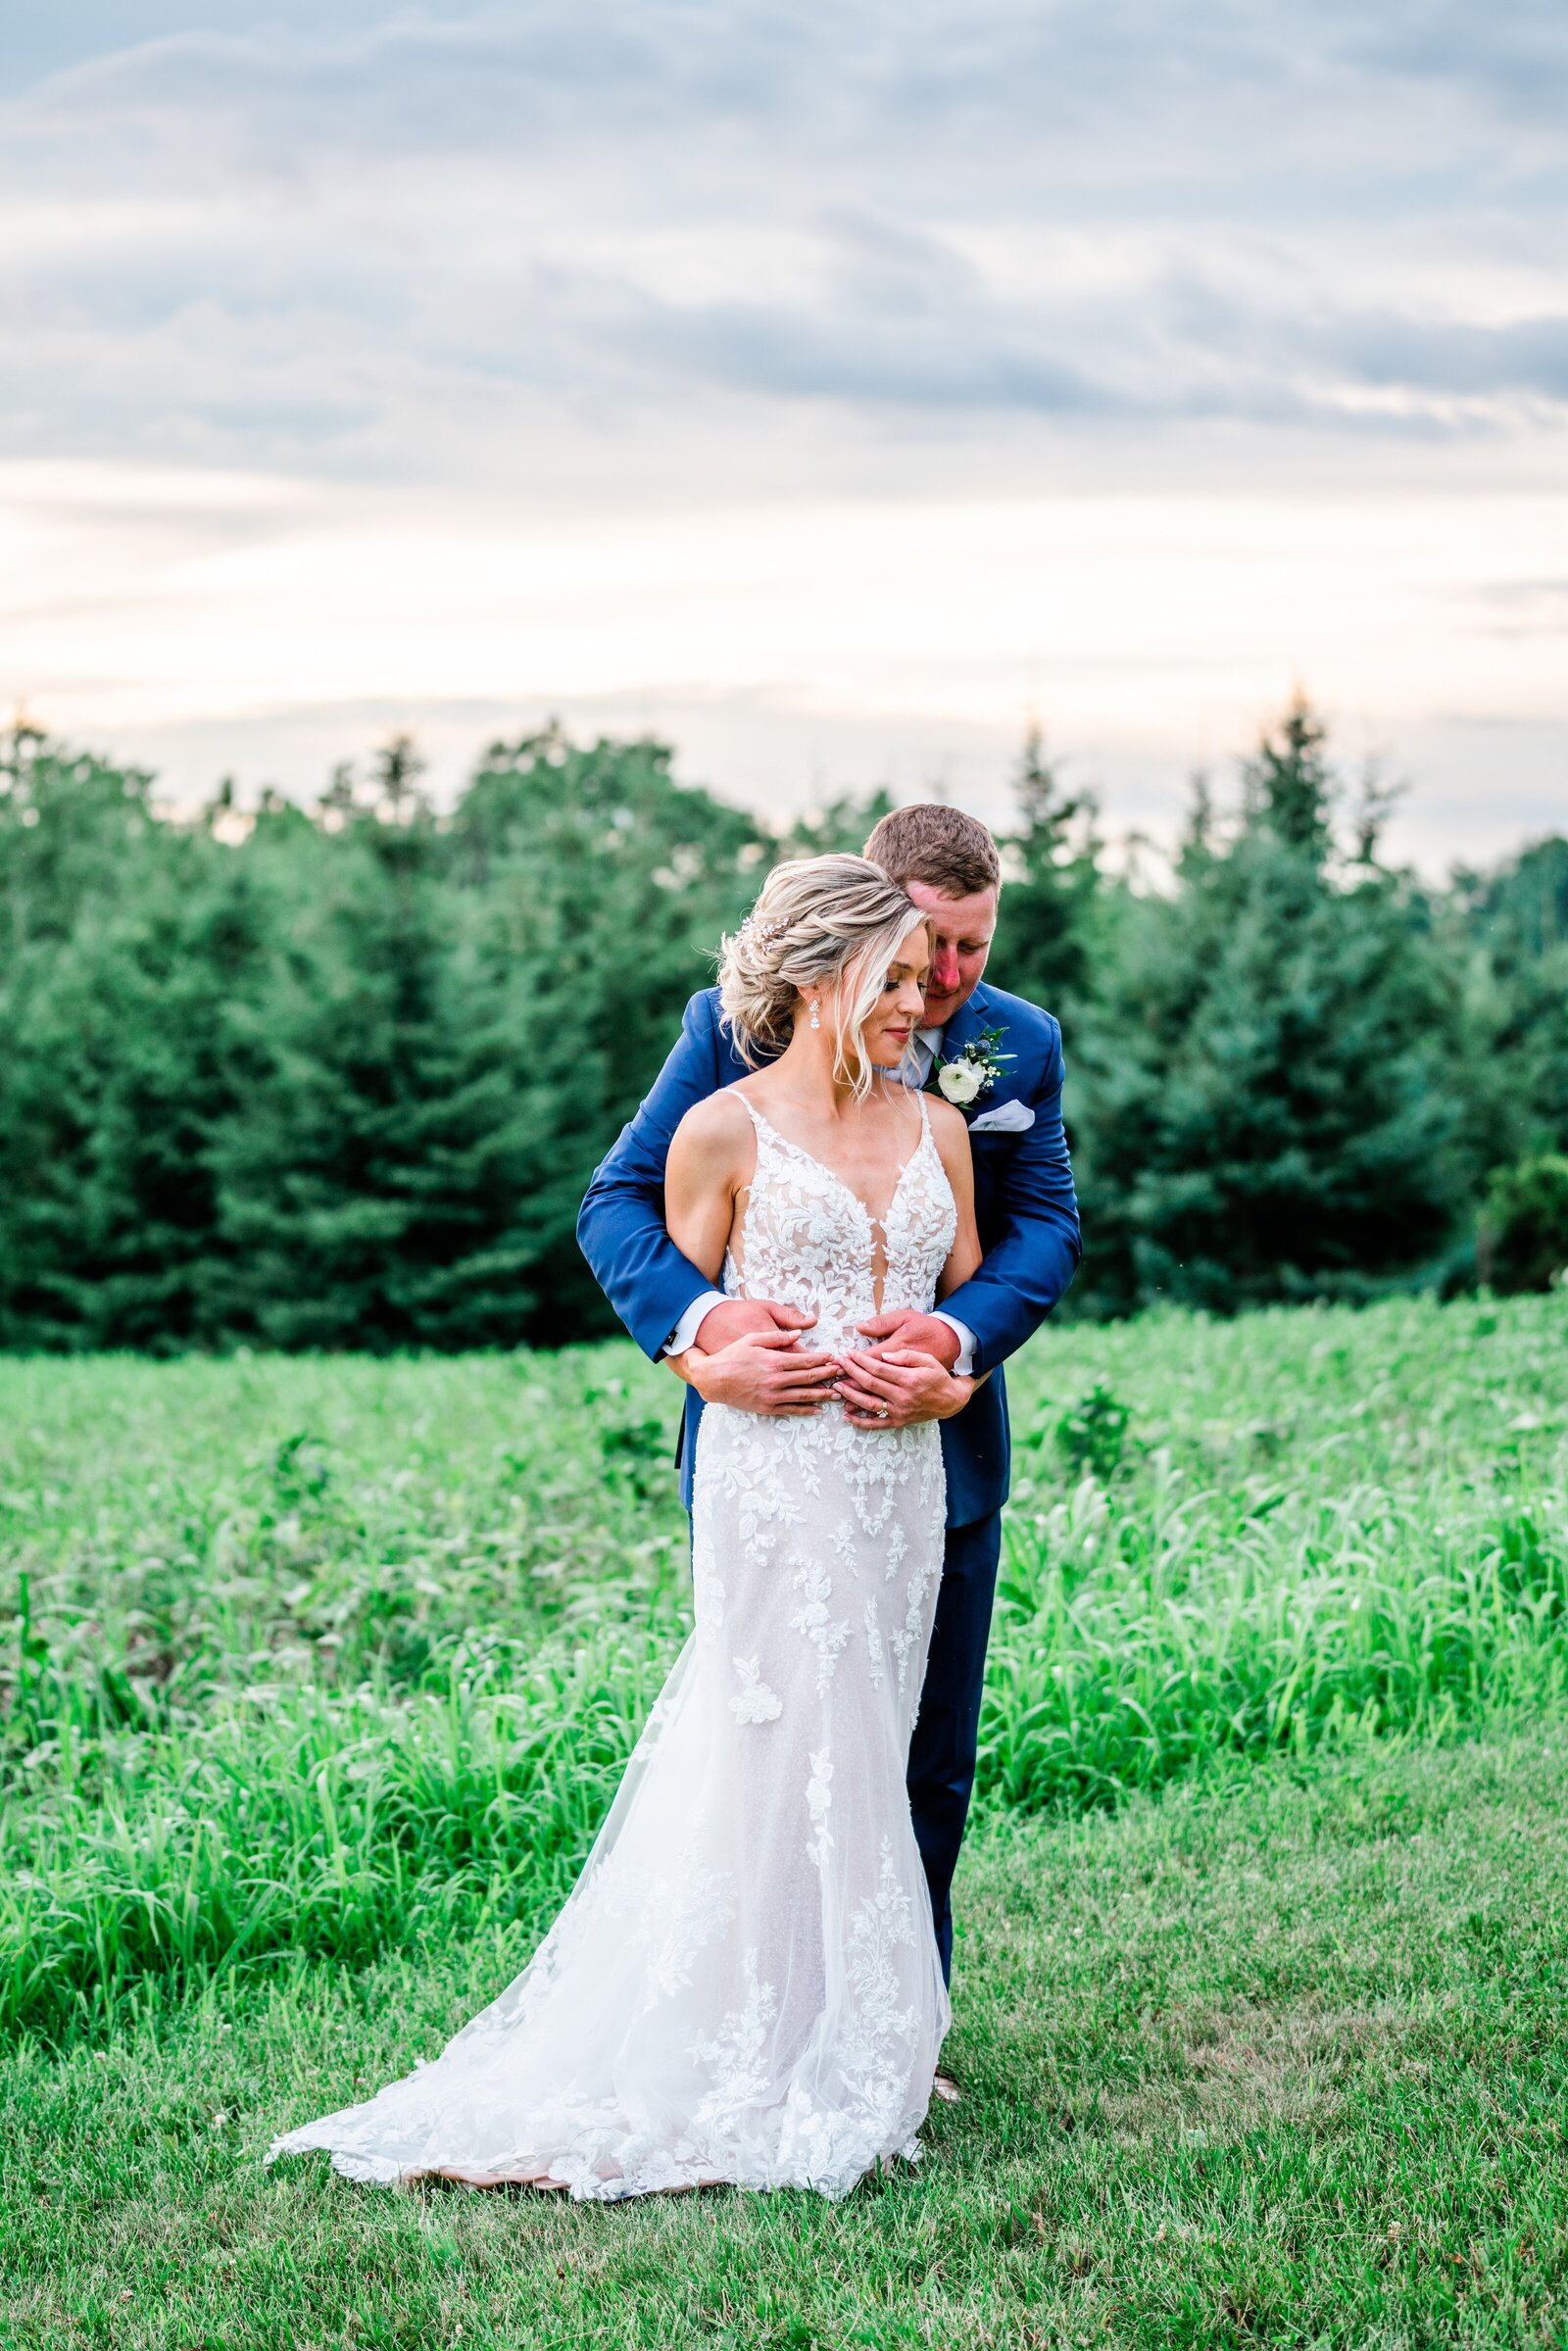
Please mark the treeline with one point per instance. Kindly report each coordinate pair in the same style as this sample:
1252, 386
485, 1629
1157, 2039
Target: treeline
337, 1077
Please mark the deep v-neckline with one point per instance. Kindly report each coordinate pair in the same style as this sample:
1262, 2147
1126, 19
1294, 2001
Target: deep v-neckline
832, 1173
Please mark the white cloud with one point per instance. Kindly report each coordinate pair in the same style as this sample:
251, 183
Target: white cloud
732, 297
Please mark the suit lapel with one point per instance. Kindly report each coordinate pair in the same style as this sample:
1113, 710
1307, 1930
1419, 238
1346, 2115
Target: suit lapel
967, 1023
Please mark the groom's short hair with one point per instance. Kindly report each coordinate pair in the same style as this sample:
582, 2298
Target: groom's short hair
928, 842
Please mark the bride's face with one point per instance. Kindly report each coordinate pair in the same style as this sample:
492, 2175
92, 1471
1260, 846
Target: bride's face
899, 1007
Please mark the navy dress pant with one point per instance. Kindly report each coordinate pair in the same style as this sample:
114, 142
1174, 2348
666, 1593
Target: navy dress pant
942, 1754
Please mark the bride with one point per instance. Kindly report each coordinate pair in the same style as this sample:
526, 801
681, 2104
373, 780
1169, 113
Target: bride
744, 1985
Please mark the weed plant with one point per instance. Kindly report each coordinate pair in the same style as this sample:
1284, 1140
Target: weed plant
321, 1659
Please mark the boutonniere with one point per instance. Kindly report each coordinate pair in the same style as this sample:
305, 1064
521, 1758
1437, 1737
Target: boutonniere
975, 1070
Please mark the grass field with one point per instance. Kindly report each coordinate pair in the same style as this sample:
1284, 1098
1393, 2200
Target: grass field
319, 1674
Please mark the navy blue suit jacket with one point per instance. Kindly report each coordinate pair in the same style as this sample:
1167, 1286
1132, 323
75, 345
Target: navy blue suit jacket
1025, 1207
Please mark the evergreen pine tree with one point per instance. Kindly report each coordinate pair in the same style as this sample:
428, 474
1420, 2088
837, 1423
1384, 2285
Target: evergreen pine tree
340, 1078
122, 934
1052, 915
372, 1172
609, 884
1268, 1113
1514, 925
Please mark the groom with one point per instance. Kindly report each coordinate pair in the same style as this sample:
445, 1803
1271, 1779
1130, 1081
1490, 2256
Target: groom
1009, 1091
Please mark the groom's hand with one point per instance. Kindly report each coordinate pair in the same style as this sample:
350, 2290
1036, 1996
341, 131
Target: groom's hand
896, 1387
925, 1334
758, 1364
743, 1318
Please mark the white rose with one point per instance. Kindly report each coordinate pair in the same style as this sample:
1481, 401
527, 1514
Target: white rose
960, 1081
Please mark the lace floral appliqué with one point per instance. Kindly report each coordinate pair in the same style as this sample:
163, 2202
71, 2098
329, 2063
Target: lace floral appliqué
754, 1702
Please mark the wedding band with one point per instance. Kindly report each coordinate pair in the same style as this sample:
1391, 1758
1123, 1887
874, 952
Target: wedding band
881, 1413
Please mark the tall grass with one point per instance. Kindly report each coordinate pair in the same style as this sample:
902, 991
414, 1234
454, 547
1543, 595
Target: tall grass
330, 1658
1130, 1646
335, 1825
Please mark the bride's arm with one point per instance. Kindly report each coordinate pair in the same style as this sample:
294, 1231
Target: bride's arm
705, 1170
710, 1163
952, 1138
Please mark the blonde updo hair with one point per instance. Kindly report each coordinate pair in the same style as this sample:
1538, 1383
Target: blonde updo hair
819, 922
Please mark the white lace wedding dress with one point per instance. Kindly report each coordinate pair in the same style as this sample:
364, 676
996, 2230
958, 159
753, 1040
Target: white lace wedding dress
744, 1985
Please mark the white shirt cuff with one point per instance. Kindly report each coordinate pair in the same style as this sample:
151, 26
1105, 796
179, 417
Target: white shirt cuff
963, 1369
684, 1334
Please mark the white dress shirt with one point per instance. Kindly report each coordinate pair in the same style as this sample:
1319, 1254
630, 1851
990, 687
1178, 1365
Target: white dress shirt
918, 1061
920, 1056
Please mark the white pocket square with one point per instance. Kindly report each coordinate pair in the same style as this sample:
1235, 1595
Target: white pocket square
1007, 1118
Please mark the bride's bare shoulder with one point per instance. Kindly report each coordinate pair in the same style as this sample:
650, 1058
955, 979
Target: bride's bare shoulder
948, 1128
715, 1133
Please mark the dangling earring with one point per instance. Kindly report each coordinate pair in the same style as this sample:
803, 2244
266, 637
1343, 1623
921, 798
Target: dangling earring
817, 1018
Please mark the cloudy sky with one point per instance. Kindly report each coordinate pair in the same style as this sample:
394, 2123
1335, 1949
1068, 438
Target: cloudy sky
834, 390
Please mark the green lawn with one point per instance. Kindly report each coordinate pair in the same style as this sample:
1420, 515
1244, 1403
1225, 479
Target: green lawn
1280, 2058
317, 1675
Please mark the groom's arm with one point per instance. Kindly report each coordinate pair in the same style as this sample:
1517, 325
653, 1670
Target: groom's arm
1034, 1256
620, 1225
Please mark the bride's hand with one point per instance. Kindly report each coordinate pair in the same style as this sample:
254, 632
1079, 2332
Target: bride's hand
901, 1327
897, 1388
765, 1371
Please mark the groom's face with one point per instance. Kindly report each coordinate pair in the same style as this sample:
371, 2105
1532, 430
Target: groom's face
961, 930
